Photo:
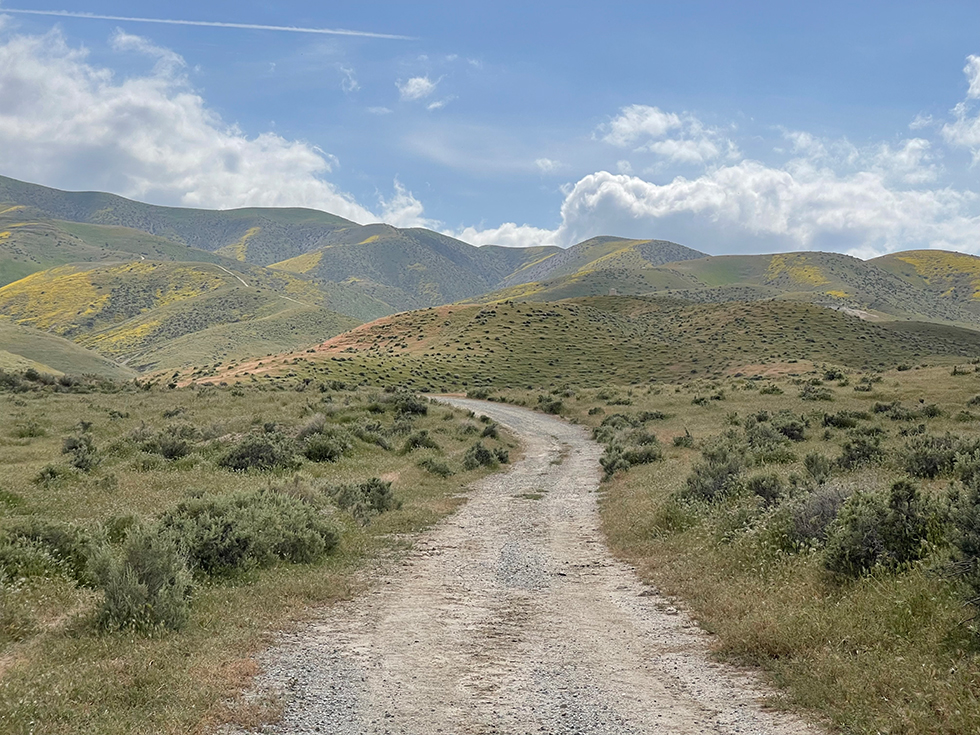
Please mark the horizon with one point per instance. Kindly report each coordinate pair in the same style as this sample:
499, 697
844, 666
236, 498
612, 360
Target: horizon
732, 130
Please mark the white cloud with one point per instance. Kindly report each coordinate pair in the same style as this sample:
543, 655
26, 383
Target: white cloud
911, 163
673, 138
439, 104
416, 88
404, 210
66, 122
379, 110
639, 121
624, 167
921, 121
972, 71
508, 234
547, 165
349, 82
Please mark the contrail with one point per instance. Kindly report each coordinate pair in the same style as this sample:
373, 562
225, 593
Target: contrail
210, 24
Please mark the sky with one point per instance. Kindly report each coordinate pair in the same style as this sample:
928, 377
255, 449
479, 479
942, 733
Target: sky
728, 127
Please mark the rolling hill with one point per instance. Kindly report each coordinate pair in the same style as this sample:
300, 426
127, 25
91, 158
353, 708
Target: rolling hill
603, 340
159, 315
22, 348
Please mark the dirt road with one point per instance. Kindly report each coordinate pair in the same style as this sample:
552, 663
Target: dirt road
512, 617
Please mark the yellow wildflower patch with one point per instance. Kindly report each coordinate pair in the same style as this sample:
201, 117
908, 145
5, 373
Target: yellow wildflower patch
795, 267
945, 269
368, 241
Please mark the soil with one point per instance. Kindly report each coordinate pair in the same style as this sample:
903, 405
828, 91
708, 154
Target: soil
512, 617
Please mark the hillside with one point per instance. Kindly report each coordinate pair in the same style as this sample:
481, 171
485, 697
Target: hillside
595, 341
158, 315
22, 347
951, 277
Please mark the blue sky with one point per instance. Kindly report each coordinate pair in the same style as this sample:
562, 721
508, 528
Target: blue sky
728, 127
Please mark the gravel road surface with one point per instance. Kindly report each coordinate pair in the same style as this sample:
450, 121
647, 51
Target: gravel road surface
512, 617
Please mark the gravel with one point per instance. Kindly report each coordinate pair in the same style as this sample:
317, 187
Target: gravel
512, 617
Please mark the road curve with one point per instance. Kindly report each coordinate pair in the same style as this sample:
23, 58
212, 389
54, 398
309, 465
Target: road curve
512, 617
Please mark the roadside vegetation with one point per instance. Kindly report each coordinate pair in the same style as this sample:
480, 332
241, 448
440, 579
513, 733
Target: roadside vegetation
824, 524
151, 539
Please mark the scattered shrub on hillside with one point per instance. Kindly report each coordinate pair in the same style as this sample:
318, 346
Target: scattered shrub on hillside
770, 389
480, 456
814, 393
223, 535
809, 517
82, 451
419, 440
371, 434
147, 584
491, 431
550, 404
877, 531
790, 426
930, 456
818, 467
480, 394
769, 487
684, 440
716, 475
29, 429
861, 450
34, 546
50, 474
436, 467
261, 452
844, 419
408, 404
366, 499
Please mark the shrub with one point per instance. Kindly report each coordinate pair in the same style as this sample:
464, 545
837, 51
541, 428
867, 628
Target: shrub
860, 451
966, 536
716, 476
930, 456
804, 522
247, 529
770, 389
313, 425
841, 419
491, 431
873, 531
34, 546
818, 467
29, 430
813, 393
365, 499
409, 404
419, 440
324, 449
260, 452
147, 584
769, 487
550, 404
684, 440
82, 451
479, 456
792, 427
436, 467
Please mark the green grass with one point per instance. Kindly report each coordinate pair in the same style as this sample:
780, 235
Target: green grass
590, 342
61, 673
50, 353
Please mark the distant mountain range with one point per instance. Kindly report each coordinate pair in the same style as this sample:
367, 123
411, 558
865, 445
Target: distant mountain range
155, 288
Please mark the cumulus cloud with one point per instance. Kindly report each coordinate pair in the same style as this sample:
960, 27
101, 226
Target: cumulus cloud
70, 123
674, 138
509, 235
416, 88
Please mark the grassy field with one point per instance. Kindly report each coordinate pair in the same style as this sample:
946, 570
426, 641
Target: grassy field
591, 342
766, 507
94, 472
49, 353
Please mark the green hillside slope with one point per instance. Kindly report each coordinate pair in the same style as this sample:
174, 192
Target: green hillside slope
22, 347
157, 315
597, 341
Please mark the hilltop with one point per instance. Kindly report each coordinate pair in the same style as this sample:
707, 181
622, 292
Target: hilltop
600, 340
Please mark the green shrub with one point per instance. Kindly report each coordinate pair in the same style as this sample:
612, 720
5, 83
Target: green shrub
874, 531
930, 456
861, 450
550, 404
770, 389
82, 450
769, 487
28, 430
818, 467
813, 393
436, 467
260, 452
491, 431
248, 529
147, 584
792, 427
419, 440
716, 475
804, 522
480, 456
365, 499
409, 404
684, 440
966, 535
